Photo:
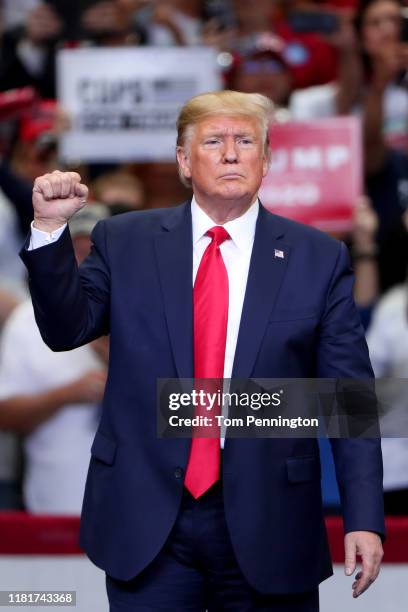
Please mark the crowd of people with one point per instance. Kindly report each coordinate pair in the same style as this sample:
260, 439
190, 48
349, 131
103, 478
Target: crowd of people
314, 59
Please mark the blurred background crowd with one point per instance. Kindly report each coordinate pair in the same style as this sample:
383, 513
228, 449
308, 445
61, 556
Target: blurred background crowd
314, 59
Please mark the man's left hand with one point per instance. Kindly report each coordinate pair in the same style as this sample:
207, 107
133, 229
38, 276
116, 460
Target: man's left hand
368, 546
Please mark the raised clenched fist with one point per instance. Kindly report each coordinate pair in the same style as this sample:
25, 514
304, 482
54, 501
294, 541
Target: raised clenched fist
56, 198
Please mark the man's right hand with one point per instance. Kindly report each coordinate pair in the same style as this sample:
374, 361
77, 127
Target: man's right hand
56, 198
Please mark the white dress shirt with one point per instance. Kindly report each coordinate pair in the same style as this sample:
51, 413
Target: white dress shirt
236, 254
39, 238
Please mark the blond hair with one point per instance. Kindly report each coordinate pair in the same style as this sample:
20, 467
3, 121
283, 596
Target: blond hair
228, 103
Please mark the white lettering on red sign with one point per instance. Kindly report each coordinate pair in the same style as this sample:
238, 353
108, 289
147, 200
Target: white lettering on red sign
310, 158
303, 194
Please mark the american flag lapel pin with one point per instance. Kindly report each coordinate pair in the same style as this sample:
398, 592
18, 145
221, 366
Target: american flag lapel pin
279, 253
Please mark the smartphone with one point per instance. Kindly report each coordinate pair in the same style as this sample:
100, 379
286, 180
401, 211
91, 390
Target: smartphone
404, 26
65, 7
319, 22
221, 12
70, 13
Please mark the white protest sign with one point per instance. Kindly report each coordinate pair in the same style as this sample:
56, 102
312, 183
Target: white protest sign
123, 102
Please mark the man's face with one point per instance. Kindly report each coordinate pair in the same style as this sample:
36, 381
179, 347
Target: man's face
253, 15
266, 75
225, 158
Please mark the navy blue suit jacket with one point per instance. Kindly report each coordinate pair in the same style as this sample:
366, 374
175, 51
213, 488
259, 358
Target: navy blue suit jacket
299, 320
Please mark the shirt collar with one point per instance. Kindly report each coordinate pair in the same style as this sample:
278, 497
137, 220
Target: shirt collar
241, 229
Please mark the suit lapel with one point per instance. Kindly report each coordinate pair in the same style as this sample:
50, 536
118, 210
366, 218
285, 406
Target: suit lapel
174, 253
266, 271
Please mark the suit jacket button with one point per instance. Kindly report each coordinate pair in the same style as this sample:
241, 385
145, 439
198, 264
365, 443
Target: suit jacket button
178, 472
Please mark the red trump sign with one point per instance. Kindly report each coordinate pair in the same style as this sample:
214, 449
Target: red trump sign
316, 172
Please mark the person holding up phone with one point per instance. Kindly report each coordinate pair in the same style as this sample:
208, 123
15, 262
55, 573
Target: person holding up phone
380, 26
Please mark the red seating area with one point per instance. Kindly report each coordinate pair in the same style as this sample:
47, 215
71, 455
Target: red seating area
26, 534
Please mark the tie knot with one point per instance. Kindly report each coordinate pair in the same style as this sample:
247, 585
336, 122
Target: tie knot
218, 234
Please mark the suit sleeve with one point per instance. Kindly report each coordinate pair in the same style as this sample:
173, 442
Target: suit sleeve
343, 354
71, 304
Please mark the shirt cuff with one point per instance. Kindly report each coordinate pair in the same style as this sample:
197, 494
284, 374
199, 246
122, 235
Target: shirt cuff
39, 238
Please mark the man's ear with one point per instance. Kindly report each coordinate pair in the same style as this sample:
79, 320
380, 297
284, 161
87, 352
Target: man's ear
183, 160
266, 162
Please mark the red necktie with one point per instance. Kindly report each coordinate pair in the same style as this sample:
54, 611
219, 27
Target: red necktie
210, 333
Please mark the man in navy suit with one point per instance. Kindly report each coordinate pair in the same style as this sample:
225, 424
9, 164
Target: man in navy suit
179, 524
